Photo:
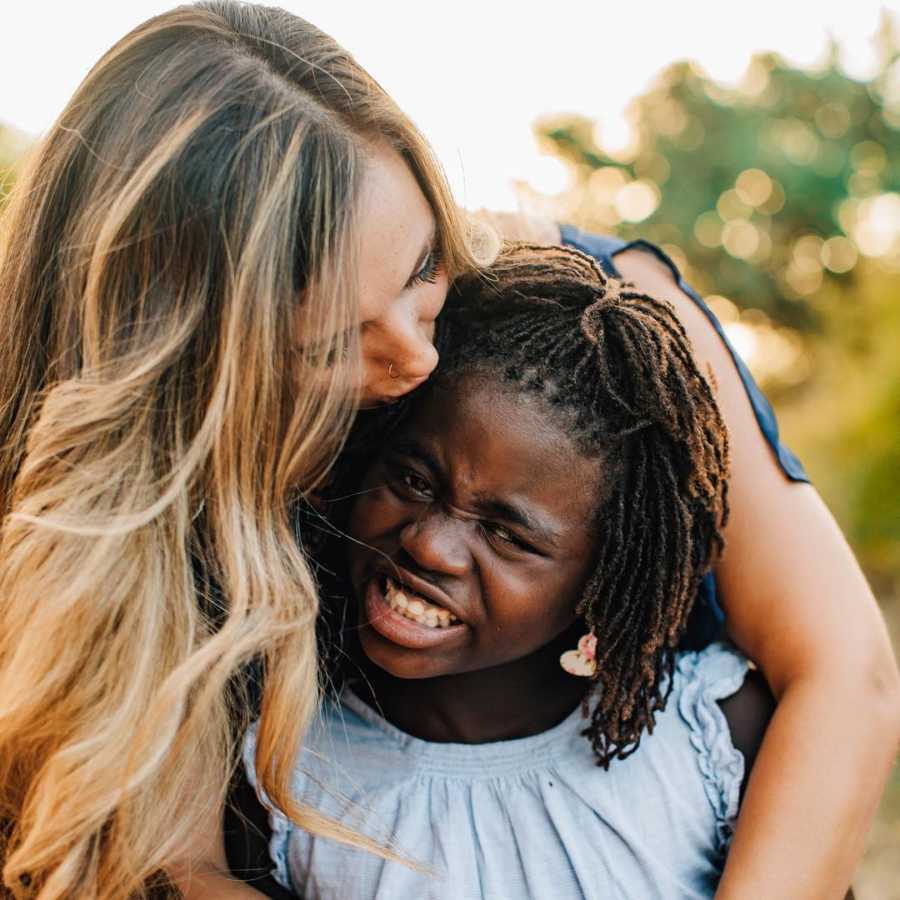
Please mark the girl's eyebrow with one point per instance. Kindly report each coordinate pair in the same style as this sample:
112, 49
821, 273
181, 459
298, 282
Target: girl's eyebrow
410, 447
516, 514
488, 506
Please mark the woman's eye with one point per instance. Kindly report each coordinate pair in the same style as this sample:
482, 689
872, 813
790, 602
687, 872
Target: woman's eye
329, 355
429, 270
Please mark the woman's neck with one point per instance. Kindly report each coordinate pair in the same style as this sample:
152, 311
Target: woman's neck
518, 699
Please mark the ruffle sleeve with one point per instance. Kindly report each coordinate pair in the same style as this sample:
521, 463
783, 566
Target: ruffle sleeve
705, 678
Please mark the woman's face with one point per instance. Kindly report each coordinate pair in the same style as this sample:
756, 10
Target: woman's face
403, 282
482, 513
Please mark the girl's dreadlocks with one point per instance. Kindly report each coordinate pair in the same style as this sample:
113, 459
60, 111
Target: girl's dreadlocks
617, 366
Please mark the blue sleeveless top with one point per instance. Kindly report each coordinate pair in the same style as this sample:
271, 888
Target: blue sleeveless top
707, 617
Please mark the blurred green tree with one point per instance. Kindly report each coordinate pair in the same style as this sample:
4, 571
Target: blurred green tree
734, 179
780, 200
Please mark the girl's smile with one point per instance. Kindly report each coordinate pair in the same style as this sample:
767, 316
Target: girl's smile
473, 534
408, 619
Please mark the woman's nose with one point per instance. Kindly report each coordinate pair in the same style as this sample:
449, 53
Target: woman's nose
414, 357
408, 344
436, 544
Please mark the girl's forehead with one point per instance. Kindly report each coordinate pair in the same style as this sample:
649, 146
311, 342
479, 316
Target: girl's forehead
489, 437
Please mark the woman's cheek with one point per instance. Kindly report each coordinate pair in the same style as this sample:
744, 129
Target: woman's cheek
434, 299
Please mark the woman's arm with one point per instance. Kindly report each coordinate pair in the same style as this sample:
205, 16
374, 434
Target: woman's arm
798, 604
215, 885
204, 875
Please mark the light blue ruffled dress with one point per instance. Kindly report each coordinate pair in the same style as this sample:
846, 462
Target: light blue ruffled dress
527, 818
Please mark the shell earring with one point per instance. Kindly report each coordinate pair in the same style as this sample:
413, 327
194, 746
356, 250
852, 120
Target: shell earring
581, 661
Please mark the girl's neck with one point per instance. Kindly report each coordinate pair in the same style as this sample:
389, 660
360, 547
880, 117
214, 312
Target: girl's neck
525, 697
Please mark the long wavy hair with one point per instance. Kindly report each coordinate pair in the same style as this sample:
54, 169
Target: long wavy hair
182, 235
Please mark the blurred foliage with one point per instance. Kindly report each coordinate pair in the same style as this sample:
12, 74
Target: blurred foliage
8, 155
734, 177
779, 197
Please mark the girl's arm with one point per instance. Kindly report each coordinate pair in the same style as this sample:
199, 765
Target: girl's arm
798, 604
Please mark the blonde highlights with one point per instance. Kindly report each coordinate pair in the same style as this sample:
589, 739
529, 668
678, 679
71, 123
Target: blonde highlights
159, 414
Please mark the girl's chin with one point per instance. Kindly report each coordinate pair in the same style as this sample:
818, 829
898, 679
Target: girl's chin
408, 665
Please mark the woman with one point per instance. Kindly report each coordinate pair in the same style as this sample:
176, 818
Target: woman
226, 206
227, 199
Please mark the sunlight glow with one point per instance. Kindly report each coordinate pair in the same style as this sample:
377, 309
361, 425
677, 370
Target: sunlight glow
476, 76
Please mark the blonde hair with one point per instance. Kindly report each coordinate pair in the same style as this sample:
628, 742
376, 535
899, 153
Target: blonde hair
192, 209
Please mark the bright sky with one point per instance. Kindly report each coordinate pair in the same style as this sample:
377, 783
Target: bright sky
474, 74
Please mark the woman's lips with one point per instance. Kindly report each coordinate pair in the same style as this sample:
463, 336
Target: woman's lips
395, 627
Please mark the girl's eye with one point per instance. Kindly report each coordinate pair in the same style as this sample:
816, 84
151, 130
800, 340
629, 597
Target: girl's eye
412, 483
498, 532
430, 269
416, 483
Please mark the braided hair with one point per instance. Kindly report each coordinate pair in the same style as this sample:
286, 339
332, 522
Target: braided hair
615, 366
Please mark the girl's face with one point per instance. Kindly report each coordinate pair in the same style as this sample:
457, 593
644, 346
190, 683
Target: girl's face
482, 513
403, 284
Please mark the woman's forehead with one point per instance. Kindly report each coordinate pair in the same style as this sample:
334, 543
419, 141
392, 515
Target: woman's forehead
397, 225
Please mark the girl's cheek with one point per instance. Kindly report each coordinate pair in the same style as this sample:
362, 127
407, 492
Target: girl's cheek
377, 513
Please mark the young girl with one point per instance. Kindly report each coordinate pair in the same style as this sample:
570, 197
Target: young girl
545, 509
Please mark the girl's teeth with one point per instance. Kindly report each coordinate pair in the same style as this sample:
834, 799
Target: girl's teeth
416, 607
417, 610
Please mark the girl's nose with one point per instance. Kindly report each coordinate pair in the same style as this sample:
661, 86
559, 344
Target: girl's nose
436, 544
